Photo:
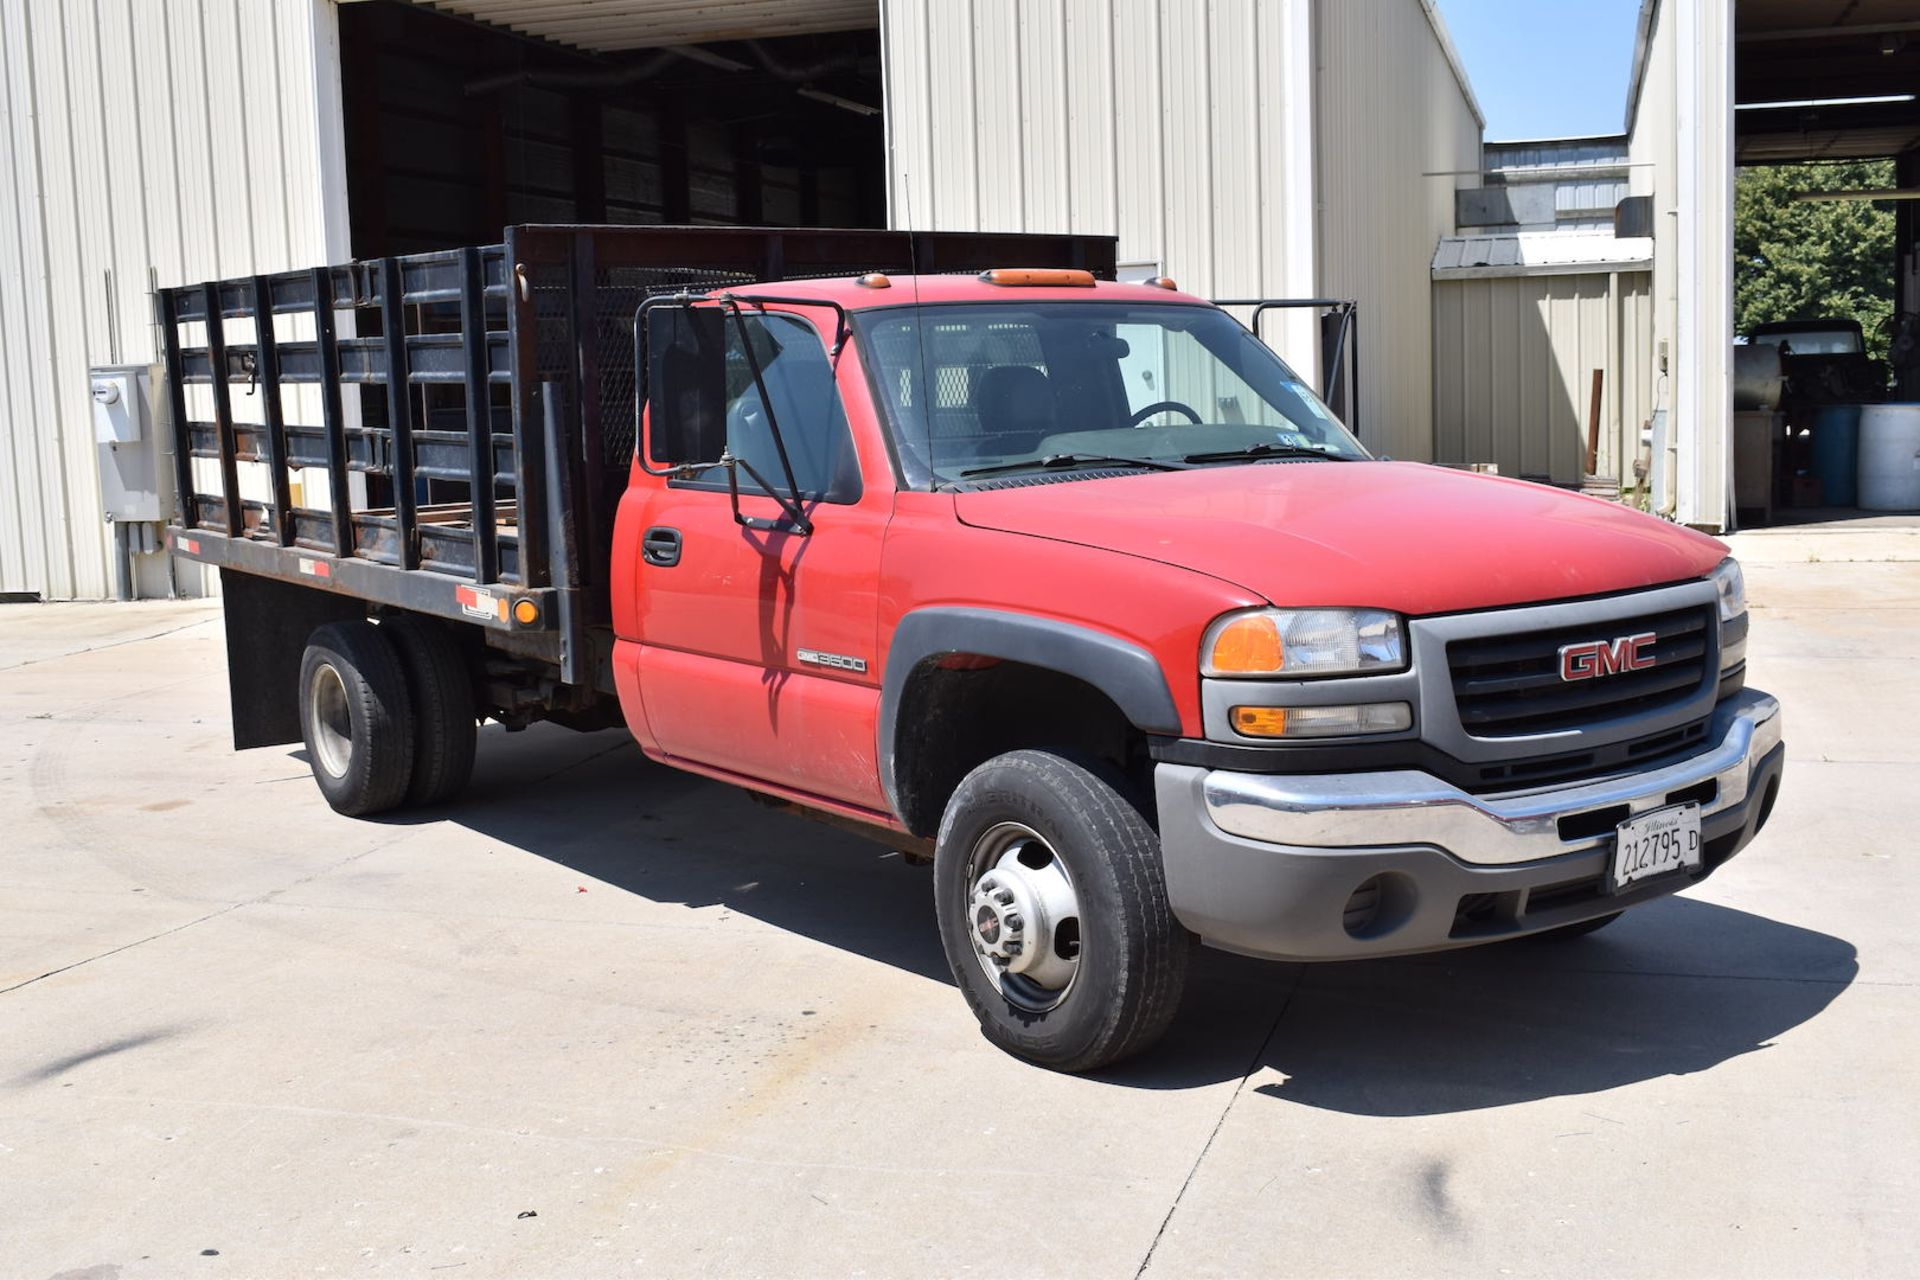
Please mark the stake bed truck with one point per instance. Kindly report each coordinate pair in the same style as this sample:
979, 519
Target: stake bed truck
1070, 585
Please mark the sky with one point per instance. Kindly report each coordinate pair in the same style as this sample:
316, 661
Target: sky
1546, 68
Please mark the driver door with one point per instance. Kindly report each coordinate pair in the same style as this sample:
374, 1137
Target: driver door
757, 654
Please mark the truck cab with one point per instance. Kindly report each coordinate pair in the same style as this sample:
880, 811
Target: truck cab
1050, 537
1074, 589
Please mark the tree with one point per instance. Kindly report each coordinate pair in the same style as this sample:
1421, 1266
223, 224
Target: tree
1808, 261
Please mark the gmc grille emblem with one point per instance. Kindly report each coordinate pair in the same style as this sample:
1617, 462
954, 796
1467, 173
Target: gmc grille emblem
1606, 657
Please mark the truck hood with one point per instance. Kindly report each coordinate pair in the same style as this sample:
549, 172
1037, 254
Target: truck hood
1390, 535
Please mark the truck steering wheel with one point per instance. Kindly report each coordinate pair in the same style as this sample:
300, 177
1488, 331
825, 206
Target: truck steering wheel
1159, 406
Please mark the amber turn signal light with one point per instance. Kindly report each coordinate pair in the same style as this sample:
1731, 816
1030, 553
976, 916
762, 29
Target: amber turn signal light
526, 613
1249, 645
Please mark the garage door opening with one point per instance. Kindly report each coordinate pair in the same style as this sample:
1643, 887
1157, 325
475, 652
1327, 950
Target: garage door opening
1818, 334
1826, 356
456, 129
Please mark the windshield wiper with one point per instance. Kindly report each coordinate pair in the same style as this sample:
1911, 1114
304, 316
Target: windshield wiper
1066, 461
1265, 450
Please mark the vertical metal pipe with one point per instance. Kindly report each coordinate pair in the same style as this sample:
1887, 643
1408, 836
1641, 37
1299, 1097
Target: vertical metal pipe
236, 525
1353, 363
473, 334
122, 560
393, 319
331, 416
268, 346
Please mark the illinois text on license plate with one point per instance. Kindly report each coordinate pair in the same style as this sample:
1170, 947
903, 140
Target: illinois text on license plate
1654, 844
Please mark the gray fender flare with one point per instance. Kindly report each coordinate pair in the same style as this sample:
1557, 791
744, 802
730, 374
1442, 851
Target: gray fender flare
1125, 672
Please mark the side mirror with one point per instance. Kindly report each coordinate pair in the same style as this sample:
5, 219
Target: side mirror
683, 367
682, 361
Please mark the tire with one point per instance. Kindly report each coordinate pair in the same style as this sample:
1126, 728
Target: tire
1568, 932
1015, 828
440, 689
356, 718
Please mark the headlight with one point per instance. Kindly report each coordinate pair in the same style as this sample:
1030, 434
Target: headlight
1304, 642
1732, 586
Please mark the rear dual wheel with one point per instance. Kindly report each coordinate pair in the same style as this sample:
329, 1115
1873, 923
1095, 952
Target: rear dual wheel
387, 714
440, 687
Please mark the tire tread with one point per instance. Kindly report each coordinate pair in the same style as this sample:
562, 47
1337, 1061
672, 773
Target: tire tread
441, 689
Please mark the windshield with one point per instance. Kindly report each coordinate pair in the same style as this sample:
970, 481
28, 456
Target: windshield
1004, 388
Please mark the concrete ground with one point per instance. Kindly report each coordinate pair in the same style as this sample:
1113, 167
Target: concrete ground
603, 1018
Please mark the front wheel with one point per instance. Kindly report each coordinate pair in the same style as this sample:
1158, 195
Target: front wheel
1053, 913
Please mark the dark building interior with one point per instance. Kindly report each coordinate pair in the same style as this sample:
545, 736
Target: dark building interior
455, 129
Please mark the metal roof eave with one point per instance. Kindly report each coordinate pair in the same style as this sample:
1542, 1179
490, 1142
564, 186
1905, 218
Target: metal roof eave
1538, 254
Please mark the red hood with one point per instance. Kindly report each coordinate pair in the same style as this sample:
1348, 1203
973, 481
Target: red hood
1390, 535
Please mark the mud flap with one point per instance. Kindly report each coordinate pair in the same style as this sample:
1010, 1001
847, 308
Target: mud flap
268, 624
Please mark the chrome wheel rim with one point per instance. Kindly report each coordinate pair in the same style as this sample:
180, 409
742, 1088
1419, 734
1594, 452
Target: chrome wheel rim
1023, 917
329, 723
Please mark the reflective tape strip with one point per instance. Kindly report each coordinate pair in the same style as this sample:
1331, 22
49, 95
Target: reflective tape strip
481, 604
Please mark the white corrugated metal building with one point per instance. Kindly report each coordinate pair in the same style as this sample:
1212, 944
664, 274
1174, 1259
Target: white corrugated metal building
1249, 148
138, 141
1289, 148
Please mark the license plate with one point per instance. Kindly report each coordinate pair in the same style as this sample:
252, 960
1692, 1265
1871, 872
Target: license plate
1655, 844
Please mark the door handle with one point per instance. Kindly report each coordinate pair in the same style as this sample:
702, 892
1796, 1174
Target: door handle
660, 547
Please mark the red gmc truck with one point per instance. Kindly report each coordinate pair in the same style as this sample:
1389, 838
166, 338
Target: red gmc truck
1071, 586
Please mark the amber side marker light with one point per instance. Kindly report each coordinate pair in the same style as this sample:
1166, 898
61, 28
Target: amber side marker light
1161, 282
1036, 277
874, 280
526, 613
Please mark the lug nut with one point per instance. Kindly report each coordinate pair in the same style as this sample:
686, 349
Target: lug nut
1003, 896
1015, 948
1014, 923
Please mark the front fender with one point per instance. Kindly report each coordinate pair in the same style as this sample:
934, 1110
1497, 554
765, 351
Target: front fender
1124, 672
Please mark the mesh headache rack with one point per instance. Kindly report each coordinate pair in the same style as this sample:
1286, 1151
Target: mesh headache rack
449, 432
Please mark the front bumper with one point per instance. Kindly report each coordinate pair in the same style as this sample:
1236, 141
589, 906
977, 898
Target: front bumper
1270, 865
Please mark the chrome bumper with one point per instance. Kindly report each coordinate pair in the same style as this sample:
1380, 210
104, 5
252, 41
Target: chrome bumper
1339, 867
1333, 811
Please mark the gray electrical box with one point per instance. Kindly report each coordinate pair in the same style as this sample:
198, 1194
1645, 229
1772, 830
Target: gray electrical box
125, 443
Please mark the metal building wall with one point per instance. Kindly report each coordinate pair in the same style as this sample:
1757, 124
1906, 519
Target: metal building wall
1398, 132
1680, 140
1182, 126
176, 141
1513, 365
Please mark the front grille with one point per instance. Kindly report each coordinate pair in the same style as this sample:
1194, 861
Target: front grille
1509, 686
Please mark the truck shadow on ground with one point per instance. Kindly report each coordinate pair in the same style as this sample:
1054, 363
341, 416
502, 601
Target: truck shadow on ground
1677, 987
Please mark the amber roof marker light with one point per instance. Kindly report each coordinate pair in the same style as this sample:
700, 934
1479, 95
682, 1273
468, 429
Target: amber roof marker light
1038, 277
